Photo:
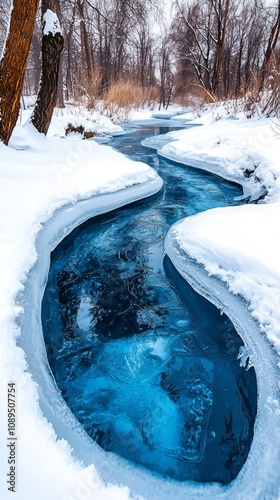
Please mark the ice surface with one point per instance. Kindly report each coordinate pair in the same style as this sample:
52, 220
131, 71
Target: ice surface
152, 372
159, 122
245, 357
128, 404
164, 115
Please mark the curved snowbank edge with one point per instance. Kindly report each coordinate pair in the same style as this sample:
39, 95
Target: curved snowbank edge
251, 190
111, 468
264, 455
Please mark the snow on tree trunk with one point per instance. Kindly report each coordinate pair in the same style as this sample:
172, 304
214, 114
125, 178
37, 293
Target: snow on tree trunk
52, 45
13, 64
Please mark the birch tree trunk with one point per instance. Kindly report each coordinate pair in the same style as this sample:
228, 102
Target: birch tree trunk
13, 64
52, 45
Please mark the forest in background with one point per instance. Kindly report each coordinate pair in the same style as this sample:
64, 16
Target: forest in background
126, 50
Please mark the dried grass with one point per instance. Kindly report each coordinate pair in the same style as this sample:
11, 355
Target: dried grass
125, 95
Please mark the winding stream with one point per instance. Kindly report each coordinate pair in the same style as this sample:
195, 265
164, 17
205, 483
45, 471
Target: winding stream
147, 365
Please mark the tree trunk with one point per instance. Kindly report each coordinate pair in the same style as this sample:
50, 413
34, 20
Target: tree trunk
222, 22
52, 45
69, 72
59, 95
239, 69
273, 38
13, 64
87, 56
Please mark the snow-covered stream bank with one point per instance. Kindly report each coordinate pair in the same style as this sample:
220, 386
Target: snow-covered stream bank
240, 246
240, 150
41, 179
264, 455
35, 185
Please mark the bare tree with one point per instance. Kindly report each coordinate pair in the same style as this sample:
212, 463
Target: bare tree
221, 9
87, 54
13, 64
246, 35
142, 59
110, 40
166, 75
271, 44
199, 31
33, 70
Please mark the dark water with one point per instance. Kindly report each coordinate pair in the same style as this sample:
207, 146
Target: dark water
147, 365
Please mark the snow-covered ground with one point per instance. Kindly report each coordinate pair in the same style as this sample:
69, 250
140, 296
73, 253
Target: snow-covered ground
43, 185
100, 125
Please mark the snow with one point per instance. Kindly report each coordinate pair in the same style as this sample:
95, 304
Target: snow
264, 455
229, 148
91, 121
147, 113
230, 255
39, 178
240, 246
51, 24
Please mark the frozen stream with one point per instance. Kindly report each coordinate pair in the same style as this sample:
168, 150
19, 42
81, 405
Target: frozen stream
147, 365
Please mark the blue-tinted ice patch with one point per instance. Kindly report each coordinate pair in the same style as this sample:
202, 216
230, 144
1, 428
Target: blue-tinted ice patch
149, 397
155, 377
